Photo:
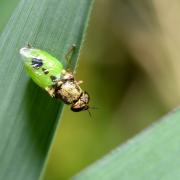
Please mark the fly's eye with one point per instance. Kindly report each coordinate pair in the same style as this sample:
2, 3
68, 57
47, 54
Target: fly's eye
79, 108
76, 109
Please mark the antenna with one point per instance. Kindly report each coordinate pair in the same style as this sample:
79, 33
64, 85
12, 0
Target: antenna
89, 113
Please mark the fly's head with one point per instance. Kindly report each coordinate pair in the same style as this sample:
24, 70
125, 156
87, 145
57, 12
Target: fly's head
82, 103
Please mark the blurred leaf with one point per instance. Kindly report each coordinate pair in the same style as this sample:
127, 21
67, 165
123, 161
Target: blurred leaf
6, 8
28, 116
153, 154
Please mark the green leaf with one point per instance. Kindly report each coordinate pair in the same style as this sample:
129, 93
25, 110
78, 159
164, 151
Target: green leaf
28, 116
151, 155
6, 9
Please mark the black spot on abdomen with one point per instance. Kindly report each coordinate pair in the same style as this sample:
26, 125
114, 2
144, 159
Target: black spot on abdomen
45, 71
53, 78
37, 63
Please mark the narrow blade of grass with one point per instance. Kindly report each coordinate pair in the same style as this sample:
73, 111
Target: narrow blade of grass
6, 9
153, 154
28, 116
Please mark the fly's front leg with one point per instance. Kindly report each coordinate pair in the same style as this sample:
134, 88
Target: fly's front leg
79, 82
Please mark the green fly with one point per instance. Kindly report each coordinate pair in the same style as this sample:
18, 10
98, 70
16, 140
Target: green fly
49, 73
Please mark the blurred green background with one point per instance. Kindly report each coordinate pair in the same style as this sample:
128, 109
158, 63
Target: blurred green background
130, 67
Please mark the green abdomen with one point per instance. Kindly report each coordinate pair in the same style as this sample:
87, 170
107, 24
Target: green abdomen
43, 68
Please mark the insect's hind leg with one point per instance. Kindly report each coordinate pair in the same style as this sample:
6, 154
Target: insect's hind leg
29, 45
68, 56
50, 91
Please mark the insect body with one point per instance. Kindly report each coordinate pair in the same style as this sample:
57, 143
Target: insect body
48, 73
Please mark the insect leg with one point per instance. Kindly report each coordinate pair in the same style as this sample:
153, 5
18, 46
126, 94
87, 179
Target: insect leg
29, 45
79, 82
68, 56
50, 91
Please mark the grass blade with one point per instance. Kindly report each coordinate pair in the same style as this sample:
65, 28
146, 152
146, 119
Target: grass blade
6, 9
28, 116
153, 154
